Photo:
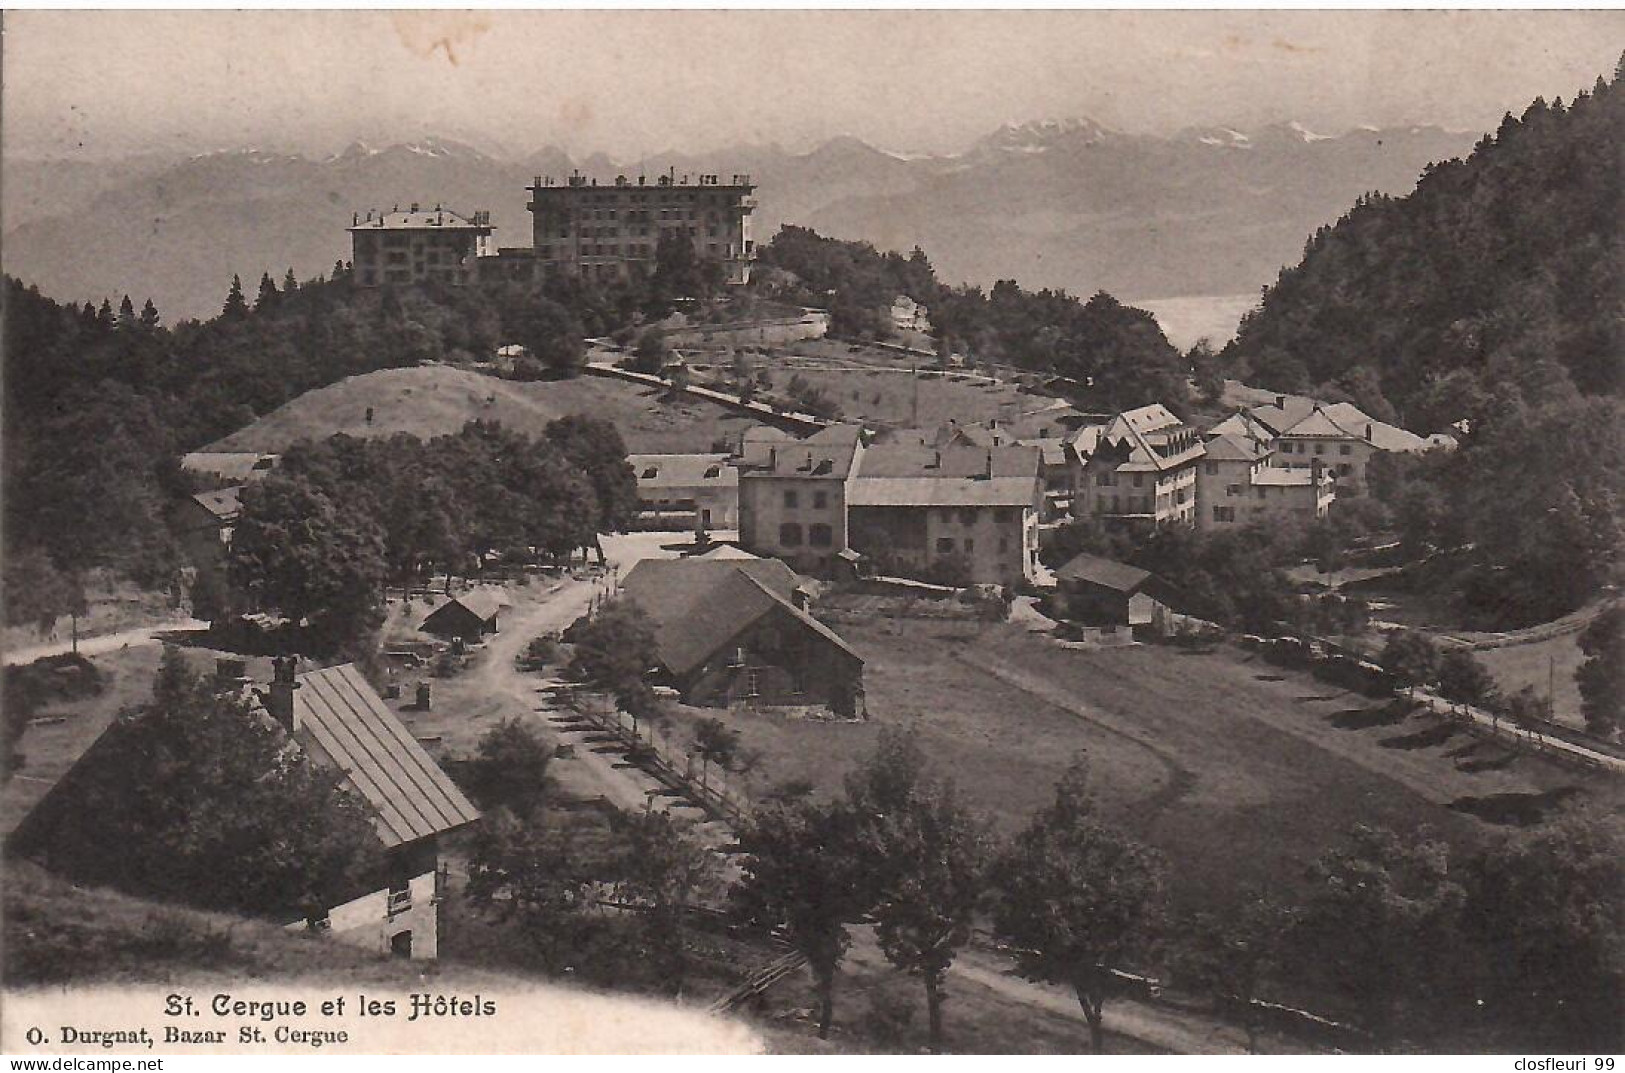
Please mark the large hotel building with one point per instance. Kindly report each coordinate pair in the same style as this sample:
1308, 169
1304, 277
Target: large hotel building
578, 227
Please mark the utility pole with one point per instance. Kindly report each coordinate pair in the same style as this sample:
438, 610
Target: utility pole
1551, 688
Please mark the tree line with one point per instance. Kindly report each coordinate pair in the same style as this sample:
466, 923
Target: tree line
1397, 933
318, 539
1115, 354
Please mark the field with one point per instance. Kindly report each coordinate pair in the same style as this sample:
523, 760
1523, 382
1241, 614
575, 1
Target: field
1548, 664
1239, 771
434, 400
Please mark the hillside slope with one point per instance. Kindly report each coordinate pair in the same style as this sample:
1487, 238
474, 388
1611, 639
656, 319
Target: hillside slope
434, 400
59, 934
1497, 269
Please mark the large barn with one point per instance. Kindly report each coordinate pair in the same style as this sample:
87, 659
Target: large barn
736, 631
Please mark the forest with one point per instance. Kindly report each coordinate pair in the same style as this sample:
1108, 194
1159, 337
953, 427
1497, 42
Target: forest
1116, 353
1497, 279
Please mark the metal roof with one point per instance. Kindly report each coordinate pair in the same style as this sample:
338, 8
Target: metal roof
1106, 573
343, 723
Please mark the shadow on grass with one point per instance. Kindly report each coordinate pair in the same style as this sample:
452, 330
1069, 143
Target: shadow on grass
1422, 739
1514, 810
1366, 718
1270, 677
1489, 763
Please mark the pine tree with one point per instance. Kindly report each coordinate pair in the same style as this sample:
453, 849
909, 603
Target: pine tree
104, 317
236, 307
267, 297
290, 283
126, 314
338, 270
149, 315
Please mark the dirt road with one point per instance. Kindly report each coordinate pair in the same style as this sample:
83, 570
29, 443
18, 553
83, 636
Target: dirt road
107, 642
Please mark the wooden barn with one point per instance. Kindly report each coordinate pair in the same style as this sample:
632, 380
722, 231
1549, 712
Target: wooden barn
737, 631
467, 617
1103, 592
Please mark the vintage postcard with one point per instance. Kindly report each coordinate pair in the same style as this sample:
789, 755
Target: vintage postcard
831, 532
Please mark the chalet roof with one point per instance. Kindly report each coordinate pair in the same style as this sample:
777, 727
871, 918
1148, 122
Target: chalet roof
238, 466
435, 219
483, 604
1052, 449
697, 606
1319, 424
1243, 424
1229, 448
1107, 573
726, 552
224, 503
683, 470
1134, 436
343, 723
901, 475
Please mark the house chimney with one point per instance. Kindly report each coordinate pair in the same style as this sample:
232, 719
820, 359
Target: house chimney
798, 598
1368, 432
1280, 402
414, 206
989, 463
278, 699
229, 674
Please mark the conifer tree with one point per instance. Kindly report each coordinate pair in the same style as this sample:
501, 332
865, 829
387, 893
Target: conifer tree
290, 282
149, 315
267, 297
126, 314
104, 316
236, 307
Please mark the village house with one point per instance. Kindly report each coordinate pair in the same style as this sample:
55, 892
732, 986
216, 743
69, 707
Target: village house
907, 315
968, 507
736, 631
1239, 484
971, 511
467, 617
686, 491
203, 525
342, 723
1139, 469
1338, 435
792, 495
1102, 592
337, 719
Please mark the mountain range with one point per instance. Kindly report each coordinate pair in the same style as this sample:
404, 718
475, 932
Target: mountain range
1058, 203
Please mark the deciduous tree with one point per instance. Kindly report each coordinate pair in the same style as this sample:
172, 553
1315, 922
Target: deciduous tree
1078, 900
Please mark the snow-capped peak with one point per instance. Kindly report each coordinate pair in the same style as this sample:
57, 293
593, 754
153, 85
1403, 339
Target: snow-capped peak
1038, 135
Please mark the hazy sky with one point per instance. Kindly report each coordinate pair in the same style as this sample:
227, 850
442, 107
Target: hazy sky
631, 83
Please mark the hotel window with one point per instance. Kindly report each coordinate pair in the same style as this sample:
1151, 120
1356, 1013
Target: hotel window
1345, 449
967, 516
790, 535
1212, 468
820, 536
970, 545
1320, 448
820, 500
791, 499
1139, 479
1004, 514
945, 545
